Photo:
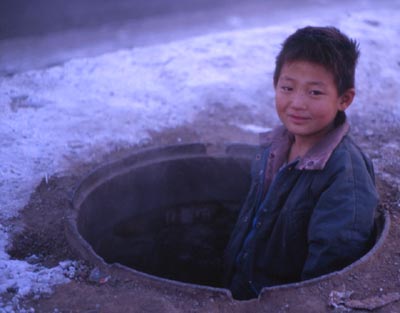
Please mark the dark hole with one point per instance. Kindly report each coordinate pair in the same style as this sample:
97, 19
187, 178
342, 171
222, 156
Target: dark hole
171, 218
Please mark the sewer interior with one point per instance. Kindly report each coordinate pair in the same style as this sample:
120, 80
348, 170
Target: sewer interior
171, 219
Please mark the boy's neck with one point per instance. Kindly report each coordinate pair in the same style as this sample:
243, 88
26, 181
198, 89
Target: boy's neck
302, 144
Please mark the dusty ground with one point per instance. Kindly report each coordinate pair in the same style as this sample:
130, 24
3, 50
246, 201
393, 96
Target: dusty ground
44, 237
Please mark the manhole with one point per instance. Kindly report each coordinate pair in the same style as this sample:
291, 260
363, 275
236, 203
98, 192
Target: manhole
163, 216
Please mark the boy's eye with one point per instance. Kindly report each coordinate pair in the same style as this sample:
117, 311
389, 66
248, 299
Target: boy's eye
316, 92
286, 88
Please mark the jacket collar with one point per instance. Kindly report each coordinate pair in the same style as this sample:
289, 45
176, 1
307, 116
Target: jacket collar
280, 141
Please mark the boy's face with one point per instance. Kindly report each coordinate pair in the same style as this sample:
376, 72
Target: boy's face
307, 100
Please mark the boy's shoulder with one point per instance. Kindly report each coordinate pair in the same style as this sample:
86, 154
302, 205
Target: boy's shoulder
347, 166
276, 135
265, 138
348, 148
349, 155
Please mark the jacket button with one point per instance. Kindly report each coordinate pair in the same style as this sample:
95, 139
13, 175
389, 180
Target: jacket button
245, 219
258, 225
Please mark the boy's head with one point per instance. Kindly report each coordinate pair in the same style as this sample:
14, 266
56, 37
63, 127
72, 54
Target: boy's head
325, 46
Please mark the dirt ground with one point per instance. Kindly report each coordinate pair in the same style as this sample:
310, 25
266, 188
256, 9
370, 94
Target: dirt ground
42, 239
43, 236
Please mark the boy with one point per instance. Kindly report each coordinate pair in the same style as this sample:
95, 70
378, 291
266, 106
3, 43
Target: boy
310, 208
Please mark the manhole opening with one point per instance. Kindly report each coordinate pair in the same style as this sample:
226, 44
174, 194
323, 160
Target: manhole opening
170, 217
167, 212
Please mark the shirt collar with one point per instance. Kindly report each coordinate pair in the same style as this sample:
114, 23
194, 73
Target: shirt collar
280, 141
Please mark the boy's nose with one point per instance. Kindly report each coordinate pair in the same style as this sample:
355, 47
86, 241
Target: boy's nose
298, 101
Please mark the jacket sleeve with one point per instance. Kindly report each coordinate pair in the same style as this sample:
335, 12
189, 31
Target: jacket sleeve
341, 224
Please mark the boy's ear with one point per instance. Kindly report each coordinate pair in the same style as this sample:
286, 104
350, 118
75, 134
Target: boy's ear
346, 99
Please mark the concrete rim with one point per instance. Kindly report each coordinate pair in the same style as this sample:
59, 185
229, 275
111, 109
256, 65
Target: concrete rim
147, 157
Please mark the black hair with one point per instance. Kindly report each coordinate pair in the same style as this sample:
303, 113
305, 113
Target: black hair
326, 46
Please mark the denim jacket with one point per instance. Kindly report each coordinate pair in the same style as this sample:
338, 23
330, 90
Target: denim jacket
303, 219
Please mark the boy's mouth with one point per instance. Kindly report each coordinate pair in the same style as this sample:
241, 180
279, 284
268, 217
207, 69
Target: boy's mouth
298, 118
